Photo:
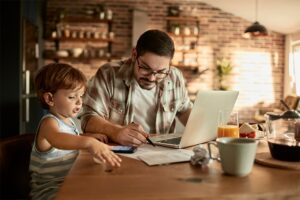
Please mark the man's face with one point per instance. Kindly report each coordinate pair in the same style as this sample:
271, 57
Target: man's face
150, 69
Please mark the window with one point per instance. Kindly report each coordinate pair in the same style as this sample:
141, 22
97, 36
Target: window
295, 64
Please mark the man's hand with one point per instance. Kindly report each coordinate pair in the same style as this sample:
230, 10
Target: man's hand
131, 135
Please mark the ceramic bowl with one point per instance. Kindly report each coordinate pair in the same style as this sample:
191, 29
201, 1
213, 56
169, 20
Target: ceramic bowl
62, 53
76, 52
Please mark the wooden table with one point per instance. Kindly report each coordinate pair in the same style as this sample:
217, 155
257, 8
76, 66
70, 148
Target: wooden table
136, 180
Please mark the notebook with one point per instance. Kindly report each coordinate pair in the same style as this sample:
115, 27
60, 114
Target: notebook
202, 123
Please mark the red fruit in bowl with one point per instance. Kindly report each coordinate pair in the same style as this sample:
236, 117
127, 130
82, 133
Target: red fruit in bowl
243, 135
251, 135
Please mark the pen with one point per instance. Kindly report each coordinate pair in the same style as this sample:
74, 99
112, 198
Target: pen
147, 138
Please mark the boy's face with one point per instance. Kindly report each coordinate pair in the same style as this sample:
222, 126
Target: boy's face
66, 103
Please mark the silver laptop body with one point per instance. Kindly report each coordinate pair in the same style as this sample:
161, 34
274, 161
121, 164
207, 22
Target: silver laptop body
202, 123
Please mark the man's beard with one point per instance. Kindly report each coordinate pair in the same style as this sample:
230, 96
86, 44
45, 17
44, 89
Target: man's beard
149, 84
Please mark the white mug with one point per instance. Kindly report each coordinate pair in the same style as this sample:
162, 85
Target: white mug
236, 154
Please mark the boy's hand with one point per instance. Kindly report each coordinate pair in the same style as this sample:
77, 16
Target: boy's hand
103, 153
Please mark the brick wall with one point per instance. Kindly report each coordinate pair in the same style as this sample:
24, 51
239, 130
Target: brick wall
258, 64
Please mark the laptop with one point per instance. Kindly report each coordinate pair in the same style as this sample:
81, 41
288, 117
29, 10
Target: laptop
202, 123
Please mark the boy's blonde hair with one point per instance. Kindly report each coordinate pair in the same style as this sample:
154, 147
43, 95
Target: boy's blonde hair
56, 76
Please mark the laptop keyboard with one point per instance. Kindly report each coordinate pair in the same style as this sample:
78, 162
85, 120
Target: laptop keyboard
172, 140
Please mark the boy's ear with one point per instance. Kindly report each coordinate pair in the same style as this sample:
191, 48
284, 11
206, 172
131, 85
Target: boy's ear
48, 97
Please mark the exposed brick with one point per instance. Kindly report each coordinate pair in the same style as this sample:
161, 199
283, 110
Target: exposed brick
258, 63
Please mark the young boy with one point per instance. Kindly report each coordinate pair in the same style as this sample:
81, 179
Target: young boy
60, 88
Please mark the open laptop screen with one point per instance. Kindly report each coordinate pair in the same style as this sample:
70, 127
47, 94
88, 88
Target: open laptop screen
202, 123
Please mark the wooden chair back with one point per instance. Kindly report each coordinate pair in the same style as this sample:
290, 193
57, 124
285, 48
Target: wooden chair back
292, 102
14, 166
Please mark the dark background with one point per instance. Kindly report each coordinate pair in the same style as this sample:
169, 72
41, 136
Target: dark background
12, 14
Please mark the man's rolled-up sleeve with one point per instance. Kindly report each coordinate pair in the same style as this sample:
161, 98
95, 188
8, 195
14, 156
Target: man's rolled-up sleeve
185, 103
96, 98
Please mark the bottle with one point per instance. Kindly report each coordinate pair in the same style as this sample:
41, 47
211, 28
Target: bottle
196, 30
109, 14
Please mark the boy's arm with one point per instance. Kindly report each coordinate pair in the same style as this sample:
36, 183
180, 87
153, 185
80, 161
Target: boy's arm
101, 137
49, 134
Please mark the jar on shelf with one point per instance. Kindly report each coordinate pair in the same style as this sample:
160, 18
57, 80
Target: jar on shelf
81, 34
85, 53
109, 14
96, 34
88, 34
111, 35
101, 15
59, 30
196, 30
187, 30
54, 34
67, 32
101, 53
177, 30
104, 35
74, 34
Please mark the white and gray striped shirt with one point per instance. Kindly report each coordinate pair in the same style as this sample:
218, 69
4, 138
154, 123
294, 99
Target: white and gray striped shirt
48, 169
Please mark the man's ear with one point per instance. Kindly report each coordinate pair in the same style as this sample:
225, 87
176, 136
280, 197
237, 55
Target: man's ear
133, 54
48, 97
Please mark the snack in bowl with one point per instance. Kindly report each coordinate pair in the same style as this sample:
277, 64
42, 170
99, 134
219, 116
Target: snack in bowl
250, 131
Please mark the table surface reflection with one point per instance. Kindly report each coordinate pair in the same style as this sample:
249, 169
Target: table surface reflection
136, 180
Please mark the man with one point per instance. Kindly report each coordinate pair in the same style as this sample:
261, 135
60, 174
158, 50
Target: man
141, 95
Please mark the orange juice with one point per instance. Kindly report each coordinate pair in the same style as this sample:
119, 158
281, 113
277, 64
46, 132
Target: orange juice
228, 131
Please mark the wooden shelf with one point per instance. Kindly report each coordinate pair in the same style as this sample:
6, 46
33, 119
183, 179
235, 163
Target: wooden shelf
184, 66
183, 19
89, 22
185, 31
183, 35
191, 51
81, 19
193, 69
79, 59
70, 39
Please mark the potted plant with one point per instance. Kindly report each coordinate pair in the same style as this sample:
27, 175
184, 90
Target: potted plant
224, 68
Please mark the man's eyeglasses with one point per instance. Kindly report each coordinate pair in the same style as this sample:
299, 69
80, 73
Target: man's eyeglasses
146, 71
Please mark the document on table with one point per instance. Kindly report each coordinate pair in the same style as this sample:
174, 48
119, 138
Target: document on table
166, 157
160, 155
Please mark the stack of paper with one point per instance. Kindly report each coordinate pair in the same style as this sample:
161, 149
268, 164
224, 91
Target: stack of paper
166, 157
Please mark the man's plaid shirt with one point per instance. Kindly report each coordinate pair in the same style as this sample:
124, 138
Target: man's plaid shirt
110, 93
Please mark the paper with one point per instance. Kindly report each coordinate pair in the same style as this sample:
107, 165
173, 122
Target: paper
166, 157
159, 155
145, 148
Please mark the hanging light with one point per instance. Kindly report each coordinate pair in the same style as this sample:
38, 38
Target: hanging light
256, 29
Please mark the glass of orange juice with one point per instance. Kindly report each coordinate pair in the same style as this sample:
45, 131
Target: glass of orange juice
228, 124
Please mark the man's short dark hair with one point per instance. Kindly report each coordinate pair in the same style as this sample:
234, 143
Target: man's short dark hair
157, 42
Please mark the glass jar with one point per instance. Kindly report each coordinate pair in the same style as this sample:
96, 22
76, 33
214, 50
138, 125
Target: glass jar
283, 135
